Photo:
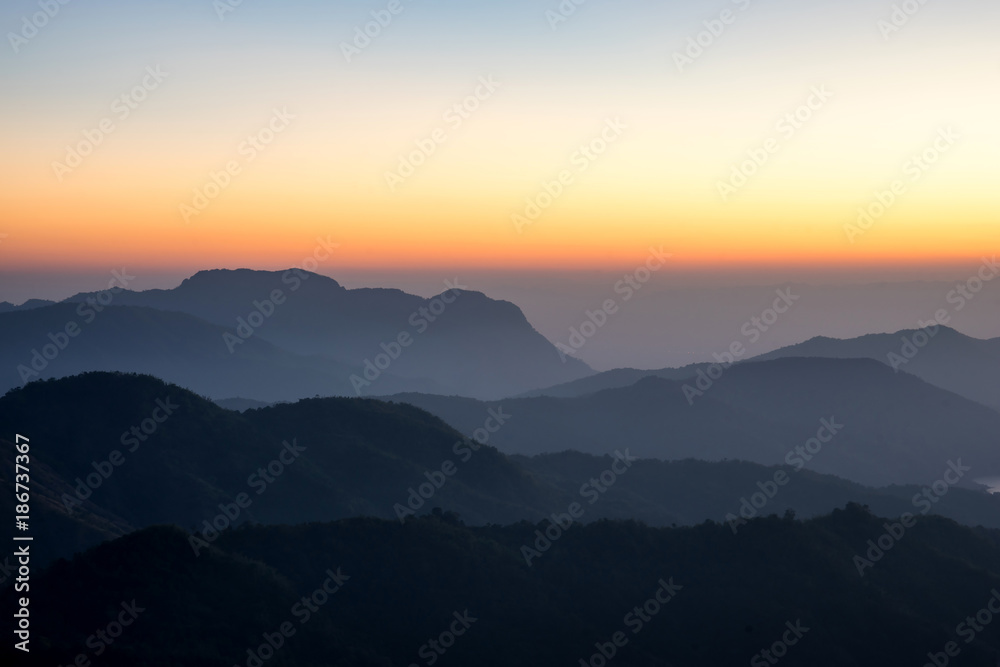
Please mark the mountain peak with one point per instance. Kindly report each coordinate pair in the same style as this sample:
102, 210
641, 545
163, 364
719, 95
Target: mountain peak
214, 277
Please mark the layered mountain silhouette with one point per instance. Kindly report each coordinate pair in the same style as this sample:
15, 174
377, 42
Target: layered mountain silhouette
357, 457
233, 469
897, 428
940, 355
8, 307
688, 492
177, 347
460, 341
613, 379
182, 460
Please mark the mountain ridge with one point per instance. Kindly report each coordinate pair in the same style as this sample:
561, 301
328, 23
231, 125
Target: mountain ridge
899, 428
356, 457
461, 340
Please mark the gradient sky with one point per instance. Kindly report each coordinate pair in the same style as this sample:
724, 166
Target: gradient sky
324, 175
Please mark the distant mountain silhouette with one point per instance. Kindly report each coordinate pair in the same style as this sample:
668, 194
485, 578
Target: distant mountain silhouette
8, 307
175, 346
967, 366
613, 379
241, 404
460, 340
897, 428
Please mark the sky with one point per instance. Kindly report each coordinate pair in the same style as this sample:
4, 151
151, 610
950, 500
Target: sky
514, 136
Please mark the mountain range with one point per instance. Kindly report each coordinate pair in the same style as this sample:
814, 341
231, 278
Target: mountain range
203, 453
938, 354
113, 453
896, 428
286, 335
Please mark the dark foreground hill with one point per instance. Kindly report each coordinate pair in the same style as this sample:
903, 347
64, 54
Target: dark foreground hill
371, 592
120, 452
